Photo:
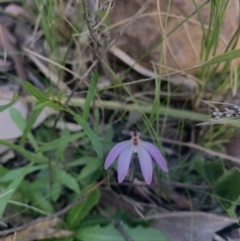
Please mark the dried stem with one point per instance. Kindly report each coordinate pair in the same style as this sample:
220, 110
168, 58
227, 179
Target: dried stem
117, 225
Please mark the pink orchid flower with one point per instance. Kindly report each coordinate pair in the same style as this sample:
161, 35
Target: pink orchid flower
146, 151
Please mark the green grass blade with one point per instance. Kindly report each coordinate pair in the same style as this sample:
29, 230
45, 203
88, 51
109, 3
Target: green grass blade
21, 124
90, 133
228, 56
31, 120
27, 154
90, 95
12, 187
60, 142
50, 104
13, 101
36, 93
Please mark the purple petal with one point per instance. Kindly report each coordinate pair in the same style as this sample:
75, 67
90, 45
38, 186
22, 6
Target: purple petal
124, 160
115, 151
146, 164
156, 154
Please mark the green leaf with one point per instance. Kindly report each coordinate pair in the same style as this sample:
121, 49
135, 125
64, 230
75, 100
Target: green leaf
110, 233
12, 187
227, 56
35, 193
66, 179
92, 136
227, 190
12, 174
90, 95
77, 213
21, 124
31, 120
210, 171
27, 154
61, 95
56, 190
58, 143
90, 168
13, 101
49, 103
35, 92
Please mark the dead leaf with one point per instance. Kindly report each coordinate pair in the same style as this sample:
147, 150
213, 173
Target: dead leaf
195, 226
42, 230
18, 11
183, 47
8, 129
8, 44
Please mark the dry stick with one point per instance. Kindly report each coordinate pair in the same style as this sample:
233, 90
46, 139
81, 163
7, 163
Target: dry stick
197, 147
92, 32
61, 212
117, 225
124, 29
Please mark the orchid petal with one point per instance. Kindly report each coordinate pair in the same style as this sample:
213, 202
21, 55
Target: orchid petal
124, 160
115, 151
146, 164
156, 154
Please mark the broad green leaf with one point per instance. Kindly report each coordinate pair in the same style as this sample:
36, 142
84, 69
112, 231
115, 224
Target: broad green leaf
13, 101
31, 120
90, 95
68, 180
12, 187
92, 136
78, 212
227, 190
49, 103
110, 233
56, 190
27, 154
35, 92
36, 194
58, 143
90, 168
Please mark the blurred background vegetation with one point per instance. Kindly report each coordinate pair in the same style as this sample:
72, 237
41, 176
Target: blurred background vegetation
77, 76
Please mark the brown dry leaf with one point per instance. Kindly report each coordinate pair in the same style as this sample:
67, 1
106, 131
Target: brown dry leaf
18, 11
195, 226
42, 230
181, 48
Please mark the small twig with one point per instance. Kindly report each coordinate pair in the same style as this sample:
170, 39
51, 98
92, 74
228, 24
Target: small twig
116, 224
61, 212
90, 25
203, 149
